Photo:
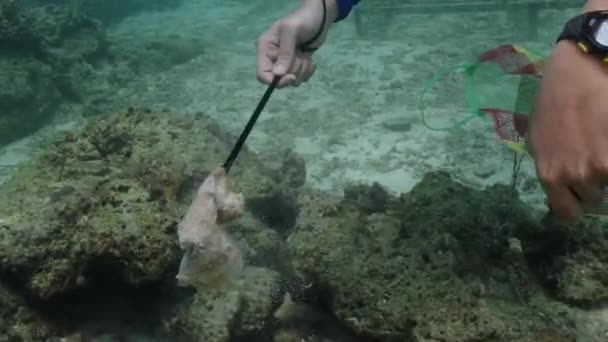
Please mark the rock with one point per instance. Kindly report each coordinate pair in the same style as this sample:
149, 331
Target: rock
426, 266
160, 53
571, 260
45, 56
261, 245
398, 125
27, 95
109, 196
368, 199
241, 312
17, 322
98, 208
288, 171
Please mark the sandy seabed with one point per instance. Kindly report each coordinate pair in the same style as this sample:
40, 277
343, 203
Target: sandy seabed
356, 120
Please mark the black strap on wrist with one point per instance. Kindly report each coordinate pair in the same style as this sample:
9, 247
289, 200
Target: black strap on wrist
573, 30
306, 45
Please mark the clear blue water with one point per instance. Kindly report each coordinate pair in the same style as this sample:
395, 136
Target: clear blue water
361, 221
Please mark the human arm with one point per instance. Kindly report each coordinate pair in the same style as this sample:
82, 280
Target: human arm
594, 5
568, 128
286, 49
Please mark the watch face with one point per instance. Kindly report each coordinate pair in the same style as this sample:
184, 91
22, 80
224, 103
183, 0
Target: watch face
601, 34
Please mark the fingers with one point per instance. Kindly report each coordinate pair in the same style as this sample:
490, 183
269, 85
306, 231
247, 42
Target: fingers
265, 59
287, 49
589, 193
287, 80
563, 202
300, 71
276, 52
570, 192
277, 55
308, 68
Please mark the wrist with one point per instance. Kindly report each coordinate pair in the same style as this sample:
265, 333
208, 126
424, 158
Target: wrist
332, 8
596, 5
567, 47
567, 50
567, 55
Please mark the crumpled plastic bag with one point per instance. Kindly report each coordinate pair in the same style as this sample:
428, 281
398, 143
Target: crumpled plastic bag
211, 258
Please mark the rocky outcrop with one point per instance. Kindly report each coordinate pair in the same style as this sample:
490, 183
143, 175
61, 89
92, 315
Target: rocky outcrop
44, 52
88, 235
443, 262
55, 57
105, 202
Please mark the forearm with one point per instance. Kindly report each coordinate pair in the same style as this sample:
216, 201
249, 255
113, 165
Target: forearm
332, 8
336, 9
595, 5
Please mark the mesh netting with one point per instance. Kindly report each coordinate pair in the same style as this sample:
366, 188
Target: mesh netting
511, 128
500, 85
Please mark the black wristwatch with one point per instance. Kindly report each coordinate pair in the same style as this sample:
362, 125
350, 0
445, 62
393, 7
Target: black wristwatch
590, 33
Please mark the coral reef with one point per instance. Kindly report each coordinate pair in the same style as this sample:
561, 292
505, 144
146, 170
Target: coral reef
55, 57
90, 227
17, 321
572, 260
106, 202
443, 262
111, 192
40, 49
222, 315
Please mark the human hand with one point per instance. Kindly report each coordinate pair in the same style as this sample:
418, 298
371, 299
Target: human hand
569, 131
280, 51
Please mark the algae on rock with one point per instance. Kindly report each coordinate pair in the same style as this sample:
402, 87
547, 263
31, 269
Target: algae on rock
439, 263
17, 322
443, 262
105, 202
229, 314
110, 192
43, 53
573, 260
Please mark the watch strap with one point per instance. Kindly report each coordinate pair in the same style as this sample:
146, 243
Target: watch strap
573, 30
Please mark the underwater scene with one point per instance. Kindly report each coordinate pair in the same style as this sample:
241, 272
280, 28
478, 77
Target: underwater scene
388, 198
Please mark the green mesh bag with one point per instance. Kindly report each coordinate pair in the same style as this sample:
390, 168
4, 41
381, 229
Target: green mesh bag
500, 85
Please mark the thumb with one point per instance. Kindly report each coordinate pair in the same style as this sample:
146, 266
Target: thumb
287, 50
